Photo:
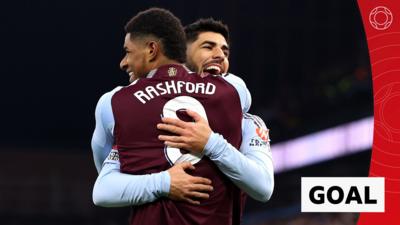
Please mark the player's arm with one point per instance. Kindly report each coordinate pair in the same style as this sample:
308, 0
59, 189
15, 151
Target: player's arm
116, 189
250, 169
102, 139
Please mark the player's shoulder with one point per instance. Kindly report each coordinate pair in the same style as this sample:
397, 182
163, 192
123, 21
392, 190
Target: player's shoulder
112, 92
233, 79
240, 86
106, 97
256, 120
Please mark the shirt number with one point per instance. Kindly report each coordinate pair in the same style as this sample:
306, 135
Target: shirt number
174, 155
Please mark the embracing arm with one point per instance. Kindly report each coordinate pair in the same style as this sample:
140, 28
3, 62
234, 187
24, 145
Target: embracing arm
250, 169
116, 189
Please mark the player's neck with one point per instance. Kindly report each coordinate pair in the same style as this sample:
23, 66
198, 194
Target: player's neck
165, 61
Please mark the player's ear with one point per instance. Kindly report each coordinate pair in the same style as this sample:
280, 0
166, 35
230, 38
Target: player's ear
153, 50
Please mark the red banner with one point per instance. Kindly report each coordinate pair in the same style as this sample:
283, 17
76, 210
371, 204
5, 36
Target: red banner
381, 21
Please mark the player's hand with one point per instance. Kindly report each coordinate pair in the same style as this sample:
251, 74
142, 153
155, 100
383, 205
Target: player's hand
185, 187
190, 136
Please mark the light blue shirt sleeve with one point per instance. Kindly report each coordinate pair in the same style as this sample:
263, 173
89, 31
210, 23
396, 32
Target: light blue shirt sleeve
116, 189
251, 168
102, 139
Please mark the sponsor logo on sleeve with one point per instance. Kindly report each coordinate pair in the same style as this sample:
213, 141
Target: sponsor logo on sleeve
113, 156
263, 133
257, 142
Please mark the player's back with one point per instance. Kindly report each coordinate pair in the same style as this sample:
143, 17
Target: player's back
138, 108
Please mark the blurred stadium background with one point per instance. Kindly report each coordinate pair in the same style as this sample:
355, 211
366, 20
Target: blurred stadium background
305, 63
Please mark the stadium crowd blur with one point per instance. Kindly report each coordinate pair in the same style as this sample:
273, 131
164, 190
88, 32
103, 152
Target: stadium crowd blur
305, 62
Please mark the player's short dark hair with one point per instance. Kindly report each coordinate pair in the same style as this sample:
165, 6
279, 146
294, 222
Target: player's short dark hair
193, 30
161, 24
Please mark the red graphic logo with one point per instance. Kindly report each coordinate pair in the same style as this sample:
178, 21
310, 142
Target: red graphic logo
381, 18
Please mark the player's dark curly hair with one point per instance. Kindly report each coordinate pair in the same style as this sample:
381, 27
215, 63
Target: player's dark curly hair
193, 30
163, 25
